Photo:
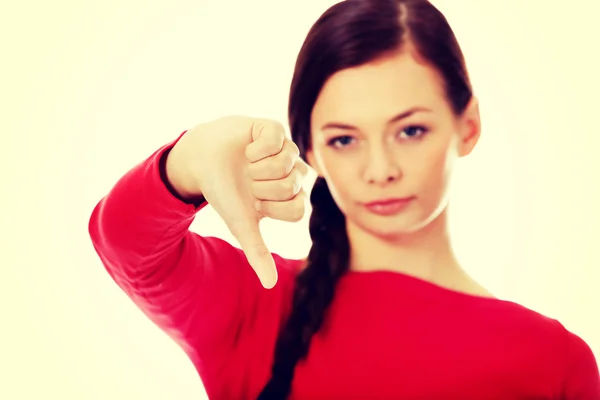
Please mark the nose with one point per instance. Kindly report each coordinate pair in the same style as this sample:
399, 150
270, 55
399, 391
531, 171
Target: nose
382, 167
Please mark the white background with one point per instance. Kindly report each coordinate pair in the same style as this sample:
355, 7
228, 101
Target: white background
90, 88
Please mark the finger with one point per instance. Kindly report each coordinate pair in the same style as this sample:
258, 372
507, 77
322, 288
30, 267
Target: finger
289, 211
278, 190
258, 255
302, 167
268, 138
275, 167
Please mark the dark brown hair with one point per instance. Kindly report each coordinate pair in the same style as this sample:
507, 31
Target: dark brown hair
349, 34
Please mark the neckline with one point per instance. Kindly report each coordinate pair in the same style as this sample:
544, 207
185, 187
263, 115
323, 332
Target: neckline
420, 286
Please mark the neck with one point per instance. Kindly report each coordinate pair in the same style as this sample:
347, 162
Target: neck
426, 253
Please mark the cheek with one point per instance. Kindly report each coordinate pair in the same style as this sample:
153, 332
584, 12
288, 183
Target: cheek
341, 179
435, 168
333, 166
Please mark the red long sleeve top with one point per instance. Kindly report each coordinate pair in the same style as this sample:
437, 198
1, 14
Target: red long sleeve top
389, 335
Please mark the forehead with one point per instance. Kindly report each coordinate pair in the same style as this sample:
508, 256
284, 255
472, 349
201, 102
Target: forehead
379, 90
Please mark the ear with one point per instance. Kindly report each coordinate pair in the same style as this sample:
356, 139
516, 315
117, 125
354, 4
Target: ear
469, 128
312, 161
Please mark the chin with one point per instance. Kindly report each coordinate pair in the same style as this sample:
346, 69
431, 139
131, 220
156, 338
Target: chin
391, 227
395, 227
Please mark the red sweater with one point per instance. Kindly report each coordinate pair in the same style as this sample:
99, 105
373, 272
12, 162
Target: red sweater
389, 335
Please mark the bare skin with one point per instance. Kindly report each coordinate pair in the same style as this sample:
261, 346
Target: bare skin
248, 169
366, 155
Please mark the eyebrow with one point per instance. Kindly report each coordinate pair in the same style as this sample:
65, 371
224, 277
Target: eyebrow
397, 118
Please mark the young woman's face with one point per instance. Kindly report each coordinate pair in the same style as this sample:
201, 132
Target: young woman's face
385, 131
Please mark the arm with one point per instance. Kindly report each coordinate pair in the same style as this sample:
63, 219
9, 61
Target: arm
582, 379
197, 289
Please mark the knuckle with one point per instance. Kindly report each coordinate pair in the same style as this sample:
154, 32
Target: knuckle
276, 169
300, 168
277, 126
270, 147
291, 210
290, 162
297, 175
297, 210
280, 169
292, 147
287, 189
298, 215
303, 167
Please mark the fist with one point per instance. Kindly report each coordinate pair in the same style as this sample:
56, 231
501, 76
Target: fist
247, 169
276, 172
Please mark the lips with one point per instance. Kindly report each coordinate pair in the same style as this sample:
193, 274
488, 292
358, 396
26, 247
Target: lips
390, 206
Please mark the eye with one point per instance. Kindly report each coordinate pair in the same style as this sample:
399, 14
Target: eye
413, 132
340, 141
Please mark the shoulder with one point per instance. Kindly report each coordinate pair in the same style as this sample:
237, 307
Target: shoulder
511, 316
532, 324
569, 359
581, 378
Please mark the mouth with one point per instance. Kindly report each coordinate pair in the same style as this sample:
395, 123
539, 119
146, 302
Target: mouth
390, 206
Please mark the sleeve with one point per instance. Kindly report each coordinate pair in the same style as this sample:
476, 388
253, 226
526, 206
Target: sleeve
199, 290
582, 379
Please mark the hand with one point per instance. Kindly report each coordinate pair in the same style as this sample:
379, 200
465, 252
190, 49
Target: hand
247, 169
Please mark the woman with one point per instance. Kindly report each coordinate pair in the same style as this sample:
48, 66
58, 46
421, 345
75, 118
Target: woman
381, 107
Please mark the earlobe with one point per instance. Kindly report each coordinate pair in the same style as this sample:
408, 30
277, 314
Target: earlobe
470, 128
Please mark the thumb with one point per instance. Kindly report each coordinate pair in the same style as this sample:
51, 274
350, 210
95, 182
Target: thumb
258, 255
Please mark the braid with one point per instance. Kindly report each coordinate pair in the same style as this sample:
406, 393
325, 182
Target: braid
314, 290
350, 33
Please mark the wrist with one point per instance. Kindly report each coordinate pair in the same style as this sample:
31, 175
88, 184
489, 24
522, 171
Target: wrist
173, 177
